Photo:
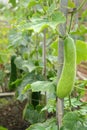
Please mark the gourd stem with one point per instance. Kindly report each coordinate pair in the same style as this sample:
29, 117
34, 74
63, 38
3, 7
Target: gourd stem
70, 22
70, 104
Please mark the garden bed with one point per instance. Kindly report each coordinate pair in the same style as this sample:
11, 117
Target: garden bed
11, 114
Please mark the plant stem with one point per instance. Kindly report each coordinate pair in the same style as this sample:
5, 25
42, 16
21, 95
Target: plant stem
81, 5
84, 89
36, 46
70, 22
70, 105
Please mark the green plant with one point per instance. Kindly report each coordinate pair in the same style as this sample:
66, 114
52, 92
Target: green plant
74, 121
50, 124
34, 23
2, 128
13, 75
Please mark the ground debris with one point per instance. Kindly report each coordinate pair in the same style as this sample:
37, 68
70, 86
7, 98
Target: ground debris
11, 116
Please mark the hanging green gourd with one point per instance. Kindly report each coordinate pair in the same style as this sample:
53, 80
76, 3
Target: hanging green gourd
67, 78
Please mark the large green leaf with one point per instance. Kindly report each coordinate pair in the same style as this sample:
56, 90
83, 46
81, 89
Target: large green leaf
25, 65
51, 9
28, 3
81, 50
36, 127
25, 85
17, 39
48, 125
71, 4
73, 121
13, 2
50, 106
32, 3
2, 128
34, 115
79, 30
39, 24
43, 86
54, 47
58, 17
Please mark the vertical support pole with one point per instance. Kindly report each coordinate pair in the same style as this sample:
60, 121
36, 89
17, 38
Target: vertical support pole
44, 62
44, 54
62, 30
76, 15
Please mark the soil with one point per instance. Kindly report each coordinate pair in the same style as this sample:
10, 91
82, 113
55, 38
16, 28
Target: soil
11, 116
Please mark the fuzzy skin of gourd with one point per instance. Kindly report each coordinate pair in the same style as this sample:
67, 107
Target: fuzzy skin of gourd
67, 78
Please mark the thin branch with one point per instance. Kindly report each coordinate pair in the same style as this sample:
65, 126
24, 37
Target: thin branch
36, 46
84, 89
7, 94
70, 104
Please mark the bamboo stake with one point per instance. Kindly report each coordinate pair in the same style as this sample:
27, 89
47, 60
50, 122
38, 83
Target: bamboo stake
44, 63
62, 30
76, 15
44, 54
7, 94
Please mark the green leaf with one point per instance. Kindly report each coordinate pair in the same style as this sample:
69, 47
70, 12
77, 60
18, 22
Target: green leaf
33, 115
17, 39
2, 128
73, 121
43, 86
79, 30
32, 3
48, 125
58, 17
51, 9
54, 47
71, 4
50, 106
29, 3
25, 81
28, 66
13, 2
26, 88
36, 25
36, 127
81, 50
24, 64
18, 62
84, 14
39, 24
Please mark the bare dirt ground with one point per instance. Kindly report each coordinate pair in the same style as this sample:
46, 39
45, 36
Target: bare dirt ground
11, 116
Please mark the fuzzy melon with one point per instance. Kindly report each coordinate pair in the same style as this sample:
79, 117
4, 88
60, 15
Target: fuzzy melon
67, 78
